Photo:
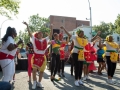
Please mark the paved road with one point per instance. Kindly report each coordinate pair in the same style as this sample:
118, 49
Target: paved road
96, 82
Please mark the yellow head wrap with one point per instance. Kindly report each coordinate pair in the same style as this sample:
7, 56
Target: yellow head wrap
107, 38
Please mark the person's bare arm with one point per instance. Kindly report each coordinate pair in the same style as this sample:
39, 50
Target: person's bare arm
98, 39
12, 46
51, 31
98, 33
49, 42
66, 31
28, 29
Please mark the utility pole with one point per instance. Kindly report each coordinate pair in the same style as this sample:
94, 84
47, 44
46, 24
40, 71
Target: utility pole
90, 17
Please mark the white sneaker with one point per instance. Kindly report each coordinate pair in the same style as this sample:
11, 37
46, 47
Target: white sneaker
80, 82
110, 81
40, 85
87, 77
77, 83
84, 78
34, 85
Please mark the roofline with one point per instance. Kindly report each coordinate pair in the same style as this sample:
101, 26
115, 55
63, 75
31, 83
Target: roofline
62, 16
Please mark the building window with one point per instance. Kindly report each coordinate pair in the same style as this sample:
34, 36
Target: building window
62, 21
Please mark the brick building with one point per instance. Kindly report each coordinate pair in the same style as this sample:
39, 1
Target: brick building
69, 23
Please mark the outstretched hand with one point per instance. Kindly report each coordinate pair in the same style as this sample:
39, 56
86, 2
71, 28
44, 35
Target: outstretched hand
62, 27
46, 33
25, 23
99, 32
51, 25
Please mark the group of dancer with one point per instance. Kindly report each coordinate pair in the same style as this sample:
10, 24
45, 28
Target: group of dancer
83, 55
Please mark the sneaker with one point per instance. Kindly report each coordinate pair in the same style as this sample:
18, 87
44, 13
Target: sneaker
110, 81
80, 82
87, 78
40, 85
77, 83
59, 75
84, 78
63, 75
34, 85
71, 74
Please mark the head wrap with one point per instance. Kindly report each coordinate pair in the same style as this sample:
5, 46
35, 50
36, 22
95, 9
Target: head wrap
36, 34
85, 37
79, 31
107, 38
60, 35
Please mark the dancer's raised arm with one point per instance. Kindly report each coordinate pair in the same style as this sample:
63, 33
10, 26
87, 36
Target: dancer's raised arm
28, 29
98, 33
51, 31
66, 31
98, 39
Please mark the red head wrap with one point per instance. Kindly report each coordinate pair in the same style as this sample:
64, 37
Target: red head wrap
61, 35
36, 34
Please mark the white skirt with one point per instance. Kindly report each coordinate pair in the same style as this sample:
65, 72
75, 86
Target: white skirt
8, 69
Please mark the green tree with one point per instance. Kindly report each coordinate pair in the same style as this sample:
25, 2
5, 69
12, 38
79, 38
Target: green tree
8, 7
105, 28
117, 24
36, 23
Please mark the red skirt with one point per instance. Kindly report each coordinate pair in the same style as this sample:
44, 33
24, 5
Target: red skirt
38, 60
90, 56
92, 66
62, 55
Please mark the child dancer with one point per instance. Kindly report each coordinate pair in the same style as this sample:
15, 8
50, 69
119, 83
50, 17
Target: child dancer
30, 54
55, 55
90, 56
62, 57
39, 59
100, 60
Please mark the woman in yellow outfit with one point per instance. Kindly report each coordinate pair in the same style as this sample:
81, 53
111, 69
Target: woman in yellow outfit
111, 57
78, 54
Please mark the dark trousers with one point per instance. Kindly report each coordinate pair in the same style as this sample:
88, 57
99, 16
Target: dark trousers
55, 63
78, 66
111, 67
72, 64
61, 66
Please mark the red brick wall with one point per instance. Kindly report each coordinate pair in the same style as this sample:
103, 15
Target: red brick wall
81, 22
69, 23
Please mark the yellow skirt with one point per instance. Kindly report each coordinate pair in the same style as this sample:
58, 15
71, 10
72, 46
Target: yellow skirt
81, 55
42, 68
113, 56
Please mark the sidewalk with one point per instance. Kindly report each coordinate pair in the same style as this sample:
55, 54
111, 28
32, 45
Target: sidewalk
96, 82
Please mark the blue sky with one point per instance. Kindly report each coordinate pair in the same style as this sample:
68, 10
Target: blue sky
102, 10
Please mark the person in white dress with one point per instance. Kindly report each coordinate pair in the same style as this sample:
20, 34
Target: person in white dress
7, 54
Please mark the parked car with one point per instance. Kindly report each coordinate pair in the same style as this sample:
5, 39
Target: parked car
23, 53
